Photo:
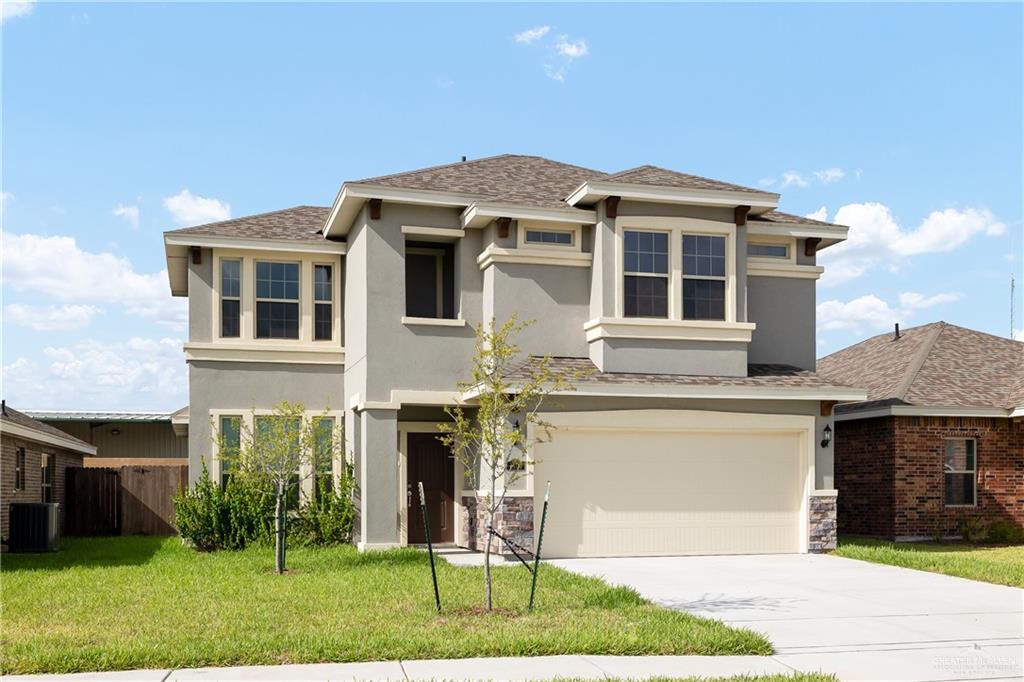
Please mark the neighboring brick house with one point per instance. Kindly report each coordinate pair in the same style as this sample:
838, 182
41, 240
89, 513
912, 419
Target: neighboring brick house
35, 457
940, 438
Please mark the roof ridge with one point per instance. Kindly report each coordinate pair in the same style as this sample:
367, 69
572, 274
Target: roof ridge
468, 162
917, 362
247, 217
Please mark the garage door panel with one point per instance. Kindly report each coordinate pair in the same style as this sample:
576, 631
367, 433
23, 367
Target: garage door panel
647, 493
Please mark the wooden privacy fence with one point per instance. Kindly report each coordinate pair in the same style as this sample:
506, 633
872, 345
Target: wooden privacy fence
130, 500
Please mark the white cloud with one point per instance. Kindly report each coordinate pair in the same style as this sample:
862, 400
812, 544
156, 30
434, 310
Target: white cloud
64, 318
129, 213
793, 178
1018, 334
830, 175
871, 314
573, 49
531, 35
189, 209
56, 267
15, 8
820, 214
135, 374
877, 239
5, 198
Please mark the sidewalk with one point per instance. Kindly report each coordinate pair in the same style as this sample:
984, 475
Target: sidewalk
963, 662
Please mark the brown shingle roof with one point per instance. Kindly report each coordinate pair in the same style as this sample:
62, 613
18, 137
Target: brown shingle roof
11, 415
299, 223
934, 365
789, 218
509, 178
758, 375
662, 177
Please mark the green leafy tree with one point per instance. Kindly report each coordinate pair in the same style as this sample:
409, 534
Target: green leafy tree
280, 452
491, 439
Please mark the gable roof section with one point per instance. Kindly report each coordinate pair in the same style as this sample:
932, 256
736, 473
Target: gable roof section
933, 365
298, 223
662, 177
15, 423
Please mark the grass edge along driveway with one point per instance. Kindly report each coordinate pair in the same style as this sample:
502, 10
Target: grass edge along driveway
998, 565
141, 602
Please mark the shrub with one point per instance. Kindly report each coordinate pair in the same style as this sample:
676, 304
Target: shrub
210, 518
974, 529
1005, 532
327, 518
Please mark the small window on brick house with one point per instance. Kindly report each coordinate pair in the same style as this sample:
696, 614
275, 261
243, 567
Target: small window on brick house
46, 477
19, 469
961, 469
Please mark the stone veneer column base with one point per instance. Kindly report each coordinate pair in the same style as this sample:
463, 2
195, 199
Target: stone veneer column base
514, 520
821, 532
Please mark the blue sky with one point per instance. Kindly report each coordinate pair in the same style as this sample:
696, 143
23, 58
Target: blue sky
121, 121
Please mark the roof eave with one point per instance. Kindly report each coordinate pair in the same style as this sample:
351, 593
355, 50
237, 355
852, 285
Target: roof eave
29, 433
836, 393
352, 196
592, 191
829, 235
479, 214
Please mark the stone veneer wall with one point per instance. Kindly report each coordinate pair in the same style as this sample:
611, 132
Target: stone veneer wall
514, 520
821, 536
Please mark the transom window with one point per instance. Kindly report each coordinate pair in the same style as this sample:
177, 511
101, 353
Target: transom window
703, 277
961, 469
645, 272
549, 237
323, 309
230, 298
277, 300
767, 250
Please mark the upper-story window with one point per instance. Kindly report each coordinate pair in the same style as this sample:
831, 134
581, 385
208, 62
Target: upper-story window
230, 298
703, 277
277, 300
323, 297
765, 250
550, 237
429, 280
645, 274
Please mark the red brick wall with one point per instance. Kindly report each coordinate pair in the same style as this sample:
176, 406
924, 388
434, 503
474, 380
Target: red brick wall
32, 491
863, 476
889, 472
920, 443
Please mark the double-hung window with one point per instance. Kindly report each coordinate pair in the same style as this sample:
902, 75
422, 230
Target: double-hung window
46, 477
230, 298
230, 445
961, 470
19, 469
323, 308
645, 273
703, 277
277, 300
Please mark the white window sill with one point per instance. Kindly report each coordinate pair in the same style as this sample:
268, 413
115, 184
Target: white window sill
319, 352
671, 330
432, 322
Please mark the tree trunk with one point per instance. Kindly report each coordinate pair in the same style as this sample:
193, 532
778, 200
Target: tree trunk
487, 560
279, 528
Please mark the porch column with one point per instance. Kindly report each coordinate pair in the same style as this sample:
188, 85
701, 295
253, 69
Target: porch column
378, 479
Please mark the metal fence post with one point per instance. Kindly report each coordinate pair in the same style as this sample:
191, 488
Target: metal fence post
540, 540
430, 546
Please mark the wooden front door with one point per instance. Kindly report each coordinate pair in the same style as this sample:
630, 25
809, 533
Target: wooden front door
432, 463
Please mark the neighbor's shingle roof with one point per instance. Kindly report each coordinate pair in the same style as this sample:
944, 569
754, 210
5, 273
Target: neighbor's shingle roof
10, 414
662, 177
299, 223
758, 375
934, 365
509, 178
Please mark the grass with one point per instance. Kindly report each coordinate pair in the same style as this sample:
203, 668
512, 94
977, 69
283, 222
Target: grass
792, 677
999, 565
139, 602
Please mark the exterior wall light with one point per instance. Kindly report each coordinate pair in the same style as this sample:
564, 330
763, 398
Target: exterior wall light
115, 432
826, 436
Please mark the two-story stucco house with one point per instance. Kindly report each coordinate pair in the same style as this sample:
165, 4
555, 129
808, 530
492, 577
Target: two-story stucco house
701, 429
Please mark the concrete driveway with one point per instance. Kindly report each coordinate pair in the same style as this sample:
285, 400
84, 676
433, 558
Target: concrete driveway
859, 620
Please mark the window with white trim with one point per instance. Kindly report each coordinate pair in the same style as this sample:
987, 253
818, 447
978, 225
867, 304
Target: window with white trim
277, 300
274, 428
323, 306
767, 250
19, 469
961, 472
429, 280
46, 477
704, 277
645, 273
230, 298
550, 237
324, 444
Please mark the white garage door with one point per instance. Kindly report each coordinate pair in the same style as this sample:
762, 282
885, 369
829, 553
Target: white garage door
629, 491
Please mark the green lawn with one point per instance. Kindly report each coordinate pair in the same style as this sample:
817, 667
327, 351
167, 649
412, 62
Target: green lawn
1000, 565
793, 677
137, 602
